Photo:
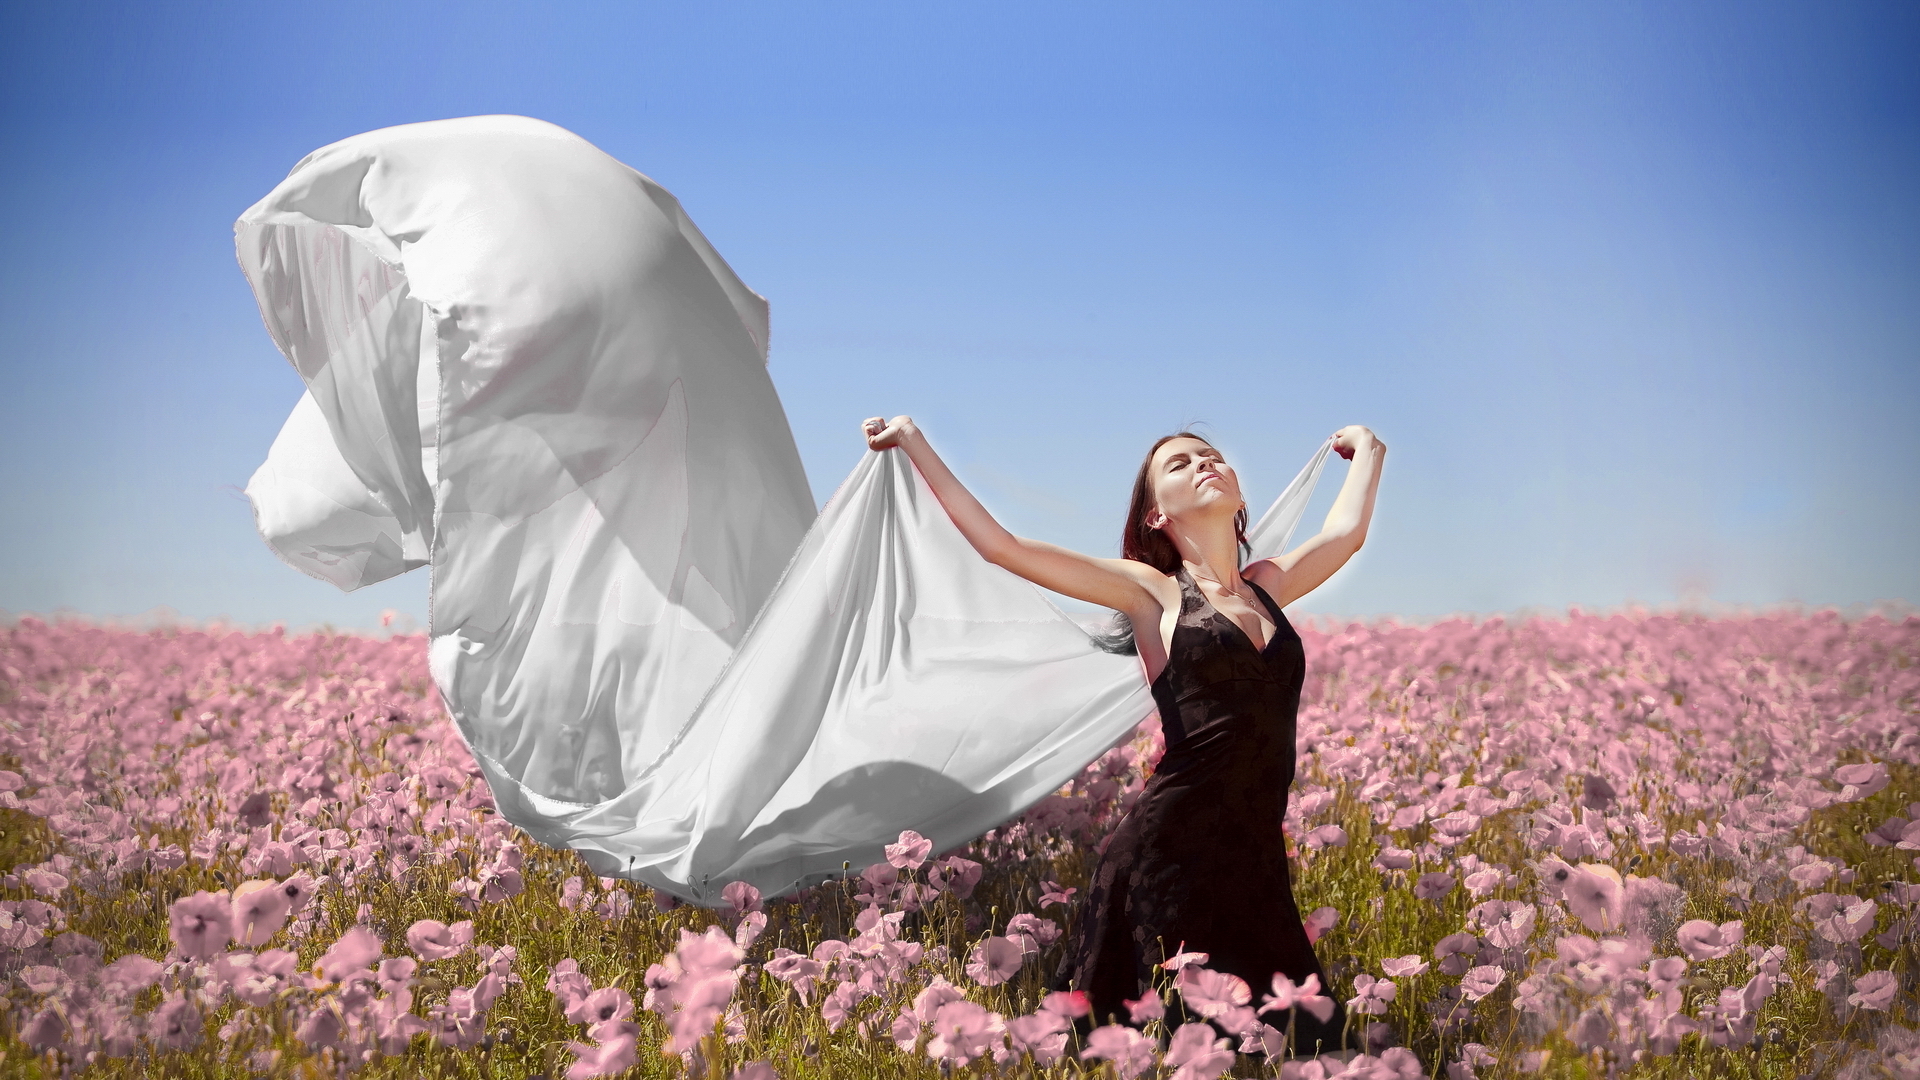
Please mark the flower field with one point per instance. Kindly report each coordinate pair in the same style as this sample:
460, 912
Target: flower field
1647, 846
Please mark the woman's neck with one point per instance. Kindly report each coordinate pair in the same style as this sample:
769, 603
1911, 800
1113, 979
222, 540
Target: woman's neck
1212, 553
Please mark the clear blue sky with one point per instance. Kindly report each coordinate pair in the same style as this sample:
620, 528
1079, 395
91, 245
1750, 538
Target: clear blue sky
1631, 290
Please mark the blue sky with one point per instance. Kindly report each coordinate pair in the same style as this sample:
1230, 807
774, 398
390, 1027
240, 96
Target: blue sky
1631, 290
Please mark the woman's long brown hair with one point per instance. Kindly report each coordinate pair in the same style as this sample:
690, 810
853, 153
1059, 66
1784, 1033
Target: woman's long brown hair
1142, 543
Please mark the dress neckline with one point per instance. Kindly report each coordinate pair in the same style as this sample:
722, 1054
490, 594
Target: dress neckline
1228, 619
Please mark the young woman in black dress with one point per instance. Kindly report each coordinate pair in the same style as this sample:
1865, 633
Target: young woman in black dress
1199, 862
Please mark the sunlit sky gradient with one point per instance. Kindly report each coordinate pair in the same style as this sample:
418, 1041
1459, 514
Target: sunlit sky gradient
1631, 290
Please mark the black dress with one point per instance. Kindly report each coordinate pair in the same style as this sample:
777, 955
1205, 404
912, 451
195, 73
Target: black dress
1199, 862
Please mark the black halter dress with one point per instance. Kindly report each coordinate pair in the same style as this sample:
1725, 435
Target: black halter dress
1199, 862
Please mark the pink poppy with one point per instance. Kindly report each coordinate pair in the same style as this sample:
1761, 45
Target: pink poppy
1071, 1004
742, 897
1456, 952
1701, 940
1197, 1055
910, 852
1052, 893
1393, 858
44, 881
431, 939
1180, 960
1211, 993
259, 911
1039, 932
1371, 995
1286, 996
1433, 886
1481, 981
355, 952
755, 1070
1849, 923
201, 924
956, 875
46, 1031
963, 1032
708, 952
176, 1024
1148, 1007
995, 960
1043, 1035
1860, 781
1321, 920
1596, 896
1402, 967
609, 1058
1874, 990
1130, 1052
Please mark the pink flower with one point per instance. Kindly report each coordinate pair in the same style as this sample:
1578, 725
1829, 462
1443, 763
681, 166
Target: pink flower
1482, 882
1371, 995
742, 897
201, 924
956, 875
1701, 940
1874, 990
1196, 1055
1596, 896
963, 1032
1849, 923
1043, 1035
1481, 981
434, 940
1320, 921
610, 1003
1456, 952
45, 1031
995, 960
1211, 993
1038, 932
1433, 886
1182, 959
44, 881
1051, 893
910, 852
754, 1070
259, 911
1286, 997
298, 889
176, 1024
796, 970
708, 952
1402, 967
609, 1057
322, 1027
1071, 1004
1861, 781
1393, 858
1131, 1052
1149, 1007
355, 952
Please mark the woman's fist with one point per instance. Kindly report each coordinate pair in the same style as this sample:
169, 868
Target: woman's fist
882, 433
1353, 437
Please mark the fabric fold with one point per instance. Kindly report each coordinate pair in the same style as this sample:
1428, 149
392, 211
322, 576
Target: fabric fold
528, 370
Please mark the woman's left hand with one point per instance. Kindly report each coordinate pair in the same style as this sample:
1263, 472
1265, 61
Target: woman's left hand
1353, 437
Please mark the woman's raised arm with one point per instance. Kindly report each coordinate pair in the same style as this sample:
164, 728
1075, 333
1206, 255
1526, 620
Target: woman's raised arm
1116, 583
1293, 575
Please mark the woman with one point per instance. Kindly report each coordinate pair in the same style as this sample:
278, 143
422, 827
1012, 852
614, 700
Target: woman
1199, 862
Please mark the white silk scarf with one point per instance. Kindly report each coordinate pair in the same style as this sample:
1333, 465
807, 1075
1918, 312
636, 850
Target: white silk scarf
527, 370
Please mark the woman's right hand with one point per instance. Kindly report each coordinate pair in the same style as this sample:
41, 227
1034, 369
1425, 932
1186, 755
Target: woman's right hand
882, 433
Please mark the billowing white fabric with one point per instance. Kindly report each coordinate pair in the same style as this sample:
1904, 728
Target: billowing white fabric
528, 370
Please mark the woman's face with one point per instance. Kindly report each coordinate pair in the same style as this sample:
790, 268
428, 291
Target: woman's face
1191, 479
